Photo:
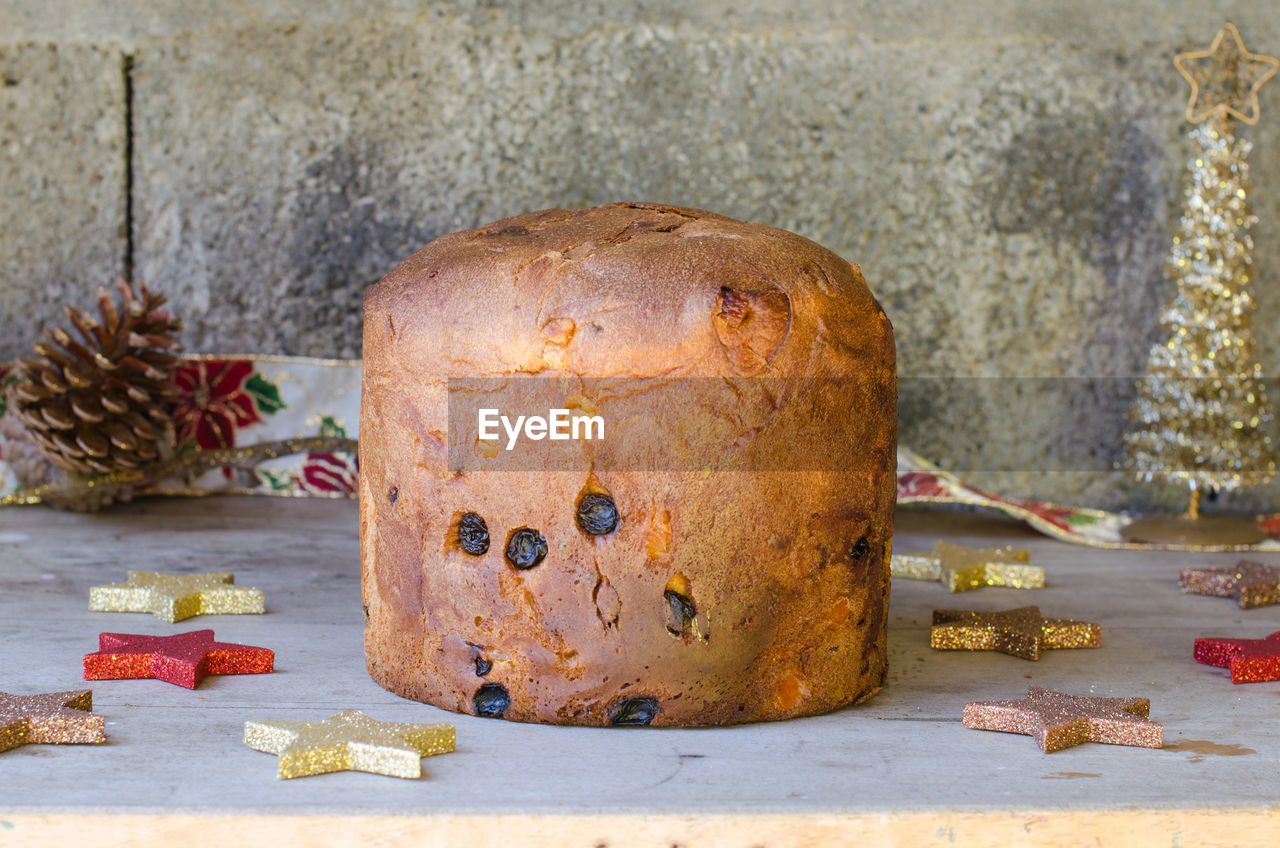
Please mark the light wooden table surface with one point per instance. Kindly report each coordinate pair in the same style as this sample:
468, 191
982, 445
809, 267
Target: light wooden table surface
900, 770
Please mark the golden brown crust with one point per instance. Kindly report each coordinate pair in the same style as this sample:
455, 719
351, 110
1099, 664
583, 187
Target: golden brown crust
785, 571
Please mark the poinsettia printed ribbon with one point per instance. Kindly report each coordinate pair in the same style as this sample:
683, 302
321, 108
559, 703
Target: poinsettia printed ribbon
226, 403
919, 481
218, 398
236, 401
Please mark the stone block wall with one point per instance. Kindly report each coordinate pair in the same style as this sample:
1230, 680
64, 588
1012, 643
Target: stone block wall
1007, 174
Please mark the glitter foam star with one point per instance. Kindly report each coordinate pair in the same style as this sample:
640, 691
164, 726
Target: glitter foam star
1022, 632
1252, 584
1058, 720
53, 718
961, 569
1250, 660
349, 741
184, 659
1225, 78
174, 597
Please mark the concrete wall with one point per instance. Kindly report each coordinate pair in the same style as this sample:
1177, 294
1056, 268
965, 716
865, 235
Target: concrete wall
1008, 175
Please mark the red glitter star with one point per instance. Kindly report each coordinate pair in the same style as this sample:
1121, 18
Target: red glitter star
1250, 660
183, 659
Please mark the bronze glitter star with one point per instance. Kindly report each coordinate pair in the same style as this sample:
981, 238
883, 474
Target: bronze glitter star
1252, 584
349, 741
960, 568
1225, 78
1058, 720
174, 597
54, 718
1022, 632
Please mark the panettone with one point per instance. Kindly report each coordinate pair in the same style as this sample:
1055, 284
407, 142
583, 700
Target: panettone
729, 565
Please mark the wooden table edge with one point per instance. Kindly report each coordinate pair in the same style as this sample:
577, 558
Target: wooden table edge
1011, 827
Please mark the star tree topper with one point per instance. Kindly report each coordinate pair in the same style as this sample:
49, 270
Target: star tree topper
1225, 78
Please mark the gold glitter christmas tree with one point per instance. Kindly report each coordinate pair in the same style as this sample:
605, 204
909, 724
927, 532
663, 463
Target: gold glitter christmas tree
1201, 416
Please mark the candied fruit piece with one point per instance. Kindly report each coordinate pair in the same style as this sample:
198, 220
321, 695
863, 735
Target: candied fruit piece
680, 584
581, 405
657, 540
526, 548
791, 692
473, 534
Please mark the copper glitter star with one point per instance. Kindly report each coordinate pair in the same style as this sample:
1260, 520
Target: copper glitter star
349, 741
1058, 720
1252, 584
1225, 78
1250, 660
54, 718
184, 659
1022, 632
174, 597
960, 568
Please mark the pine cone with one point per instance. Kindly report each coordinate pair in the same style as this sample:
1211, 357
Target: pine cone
30, 463
104, 402
25, 458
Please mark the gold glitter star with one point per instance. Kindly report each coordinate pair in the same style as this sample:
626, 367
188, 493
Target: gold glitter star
1058, 720
174, 597
54, 718
349, 741
960, 568
1225, 78
1022, 632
